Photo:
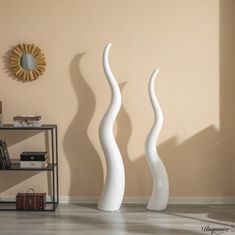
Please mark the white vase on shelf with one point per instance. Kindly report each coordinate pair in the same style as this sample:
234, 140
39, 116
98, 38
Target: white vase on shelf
160, 191
113, 191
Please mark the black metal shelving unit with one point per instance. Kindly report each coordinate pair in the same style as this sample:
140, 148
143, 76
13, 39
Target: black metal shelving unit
52, 166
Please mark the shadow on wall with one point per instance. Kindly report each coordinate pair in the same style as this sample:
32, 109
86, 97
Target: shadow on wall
209, 154
134, 174
205, 162
14, 178
13, 137
227, 87
200, 166
192, 152
79, 150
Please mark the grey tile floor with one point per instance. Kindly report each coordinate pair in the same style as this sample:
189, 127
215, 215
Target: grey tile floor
130, 219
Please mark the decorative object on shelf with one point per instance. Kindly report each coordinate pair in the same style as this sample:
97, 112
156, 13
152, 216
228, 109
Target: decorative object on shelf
113, 192
27, 121
160, 192
33, 160
30, 201
1, 115
27, 62
5, 161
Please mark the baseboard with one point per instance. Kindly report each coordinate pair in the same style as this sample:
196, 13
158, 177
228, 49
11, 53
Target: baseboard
141, 200
77, 200
13, 198
144, 200
202, 200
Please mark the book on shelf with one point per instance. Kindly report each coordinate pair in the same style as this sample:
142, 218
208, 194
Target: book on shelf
33, 156
27, 121
2, 164
34, 164
33, 159
27, 118
5, 161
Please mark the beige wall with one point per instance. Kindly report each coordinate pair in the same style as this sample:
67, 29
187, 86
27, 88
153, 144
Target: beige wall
189, 40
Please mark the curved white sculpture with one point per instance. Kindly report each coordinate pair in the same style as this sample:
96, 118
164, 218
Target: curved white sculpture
113, 192
160, 192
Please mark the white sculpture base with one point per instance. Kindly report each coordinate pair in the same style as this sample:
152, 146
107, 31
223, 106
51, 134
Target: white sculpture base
160, 194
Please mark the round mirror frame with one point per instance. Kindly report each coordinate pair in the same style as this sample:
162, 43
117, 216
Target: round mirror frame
15, 62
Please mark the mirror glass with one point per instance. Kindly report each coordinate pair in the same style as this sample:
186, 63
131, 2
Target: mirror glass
28, 62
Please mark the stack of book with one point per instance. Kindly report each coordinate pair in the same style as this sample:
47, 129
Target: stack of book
27, 121
5, 161
33, 160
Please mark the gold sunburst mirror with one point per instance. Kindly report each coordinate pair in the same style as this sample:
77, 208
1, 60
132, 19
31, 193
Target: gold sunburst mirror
27, 62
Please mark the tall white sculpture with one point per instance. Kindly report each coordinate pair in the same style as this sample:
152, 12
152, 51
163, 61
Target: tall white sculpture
160, 192
113, 192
